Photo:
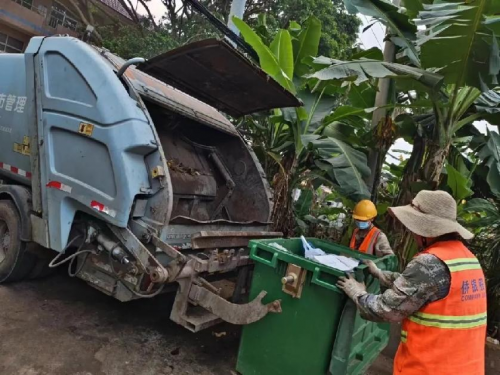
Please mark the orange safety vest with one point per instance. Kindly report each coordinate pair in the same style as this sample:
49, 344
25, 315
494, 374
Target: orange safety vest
447, 337
368, 244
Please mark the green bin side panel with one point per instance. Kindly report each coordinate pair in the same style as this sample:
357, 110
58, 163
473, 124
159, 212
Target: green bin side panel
302, 338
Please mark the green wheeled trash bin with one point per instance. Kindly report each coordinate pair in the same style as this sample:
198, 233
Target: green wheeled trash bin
319, 330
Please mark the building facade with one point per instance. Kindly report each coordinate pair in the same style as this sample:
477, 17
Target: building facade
20, 20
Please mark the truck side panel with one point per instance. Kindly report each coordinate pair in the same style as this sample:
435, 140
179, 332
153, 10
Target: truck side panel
93, 142
14, 132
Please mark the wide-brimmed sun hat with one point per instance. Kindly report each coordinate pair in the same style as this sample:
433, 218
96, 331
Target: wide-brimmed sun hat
431, 214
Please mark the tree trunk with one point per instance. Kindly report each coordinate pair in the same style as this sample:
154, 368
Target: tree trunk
84, 19
375, 156
411, 172
150, 16
434, 163
130, 10
282, 215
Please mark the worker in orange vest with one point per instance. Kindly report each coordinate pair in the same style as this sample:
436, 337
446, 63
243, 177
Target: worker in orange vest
366, 237
440, 297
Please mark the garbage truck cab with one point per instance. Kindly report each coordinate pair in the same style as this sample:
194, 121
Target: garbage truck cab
128, 174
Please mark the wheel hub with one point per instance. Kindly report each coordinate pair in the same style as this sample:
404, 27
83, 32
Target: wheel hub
4, 240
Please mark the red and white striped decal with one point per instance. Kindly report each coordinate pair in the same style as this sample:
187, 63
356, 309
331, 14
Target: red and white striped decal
59, 186
15, 170
102, 208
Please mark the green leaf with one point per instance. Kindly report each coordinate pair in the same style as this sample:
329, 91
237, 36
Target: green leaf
459, 184
464, 99
363, 70
342, 132
307, 45
484, 213
268, 62
490, 154
413, 7
317, 107
362, 96
294, 26
389, 14
345, 165
451, 24
282, 48
346, 111
373, 53
304, 203
479, 205
493, 23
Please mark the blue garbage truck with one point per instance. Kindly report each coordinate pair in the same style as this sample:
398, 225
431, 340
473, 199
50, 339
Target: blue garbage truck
131, 174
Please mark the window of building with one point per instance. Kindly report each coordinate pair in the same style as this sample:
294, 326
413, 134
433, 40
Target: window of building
10, 45
59, 15
25, 3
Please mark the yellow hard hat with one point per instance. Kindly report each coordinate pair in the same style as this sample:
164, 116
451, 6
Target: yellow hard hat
364, 210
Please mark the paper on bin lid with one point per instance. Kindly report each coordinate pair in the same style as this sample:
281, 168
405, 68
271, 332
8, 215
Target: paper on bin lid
278, 246
338, 262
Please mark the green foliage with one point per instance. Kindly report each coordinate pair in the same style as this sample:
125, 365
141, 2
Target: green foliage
130, 41
449, 24
306, 45
483, 217
458, 183
490, 154
292, 143
362, 70
273, 64
283, 50
398, 23
343, 164
338, 161
339, 29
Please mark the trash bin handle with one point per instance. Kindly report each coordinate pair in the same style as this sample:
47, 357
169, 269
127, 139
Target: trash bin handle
316, 280
272, 263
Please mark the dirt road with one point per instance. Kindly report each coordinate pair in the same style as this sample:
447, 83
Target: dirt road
61, 326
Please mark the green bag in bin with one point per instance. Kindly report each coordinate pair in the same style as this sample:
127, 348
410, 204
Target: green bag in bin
319, 330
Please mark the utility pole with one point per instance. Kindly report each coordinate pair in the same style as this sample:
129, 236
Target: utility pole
381, 99
237, 10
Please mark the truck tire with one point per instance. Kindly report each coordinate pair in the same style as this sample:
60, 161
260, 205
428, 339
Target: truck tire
15, 262
43, 258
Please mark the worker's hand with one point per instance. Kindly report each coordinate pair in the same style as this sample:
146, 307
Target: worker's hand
351, 287
374, 270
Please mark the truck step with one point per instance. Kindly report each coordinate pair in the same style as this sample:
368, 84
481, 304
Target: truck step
197, 319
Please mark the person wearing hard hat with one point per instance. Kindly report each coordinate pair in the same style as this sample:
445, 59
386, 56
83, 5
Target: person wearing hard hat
440, 297
366, 237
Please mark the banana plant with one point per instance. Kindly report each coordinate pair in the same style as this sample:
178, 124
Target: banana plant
482, 216
291, 142
457, 40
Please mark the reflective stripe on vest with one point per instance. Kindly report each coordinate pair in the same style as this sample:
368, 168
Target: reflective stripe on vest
449, 321
463, 264
404, 336
448, 336
368, 244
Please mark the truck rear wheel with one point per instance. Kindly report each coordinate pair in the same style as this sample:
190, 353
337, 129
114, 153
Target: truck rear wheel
43, 258
15, 262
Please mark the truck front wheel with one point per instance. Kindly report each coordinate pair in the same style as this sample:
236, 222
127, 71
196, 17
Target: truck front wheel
15, 262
